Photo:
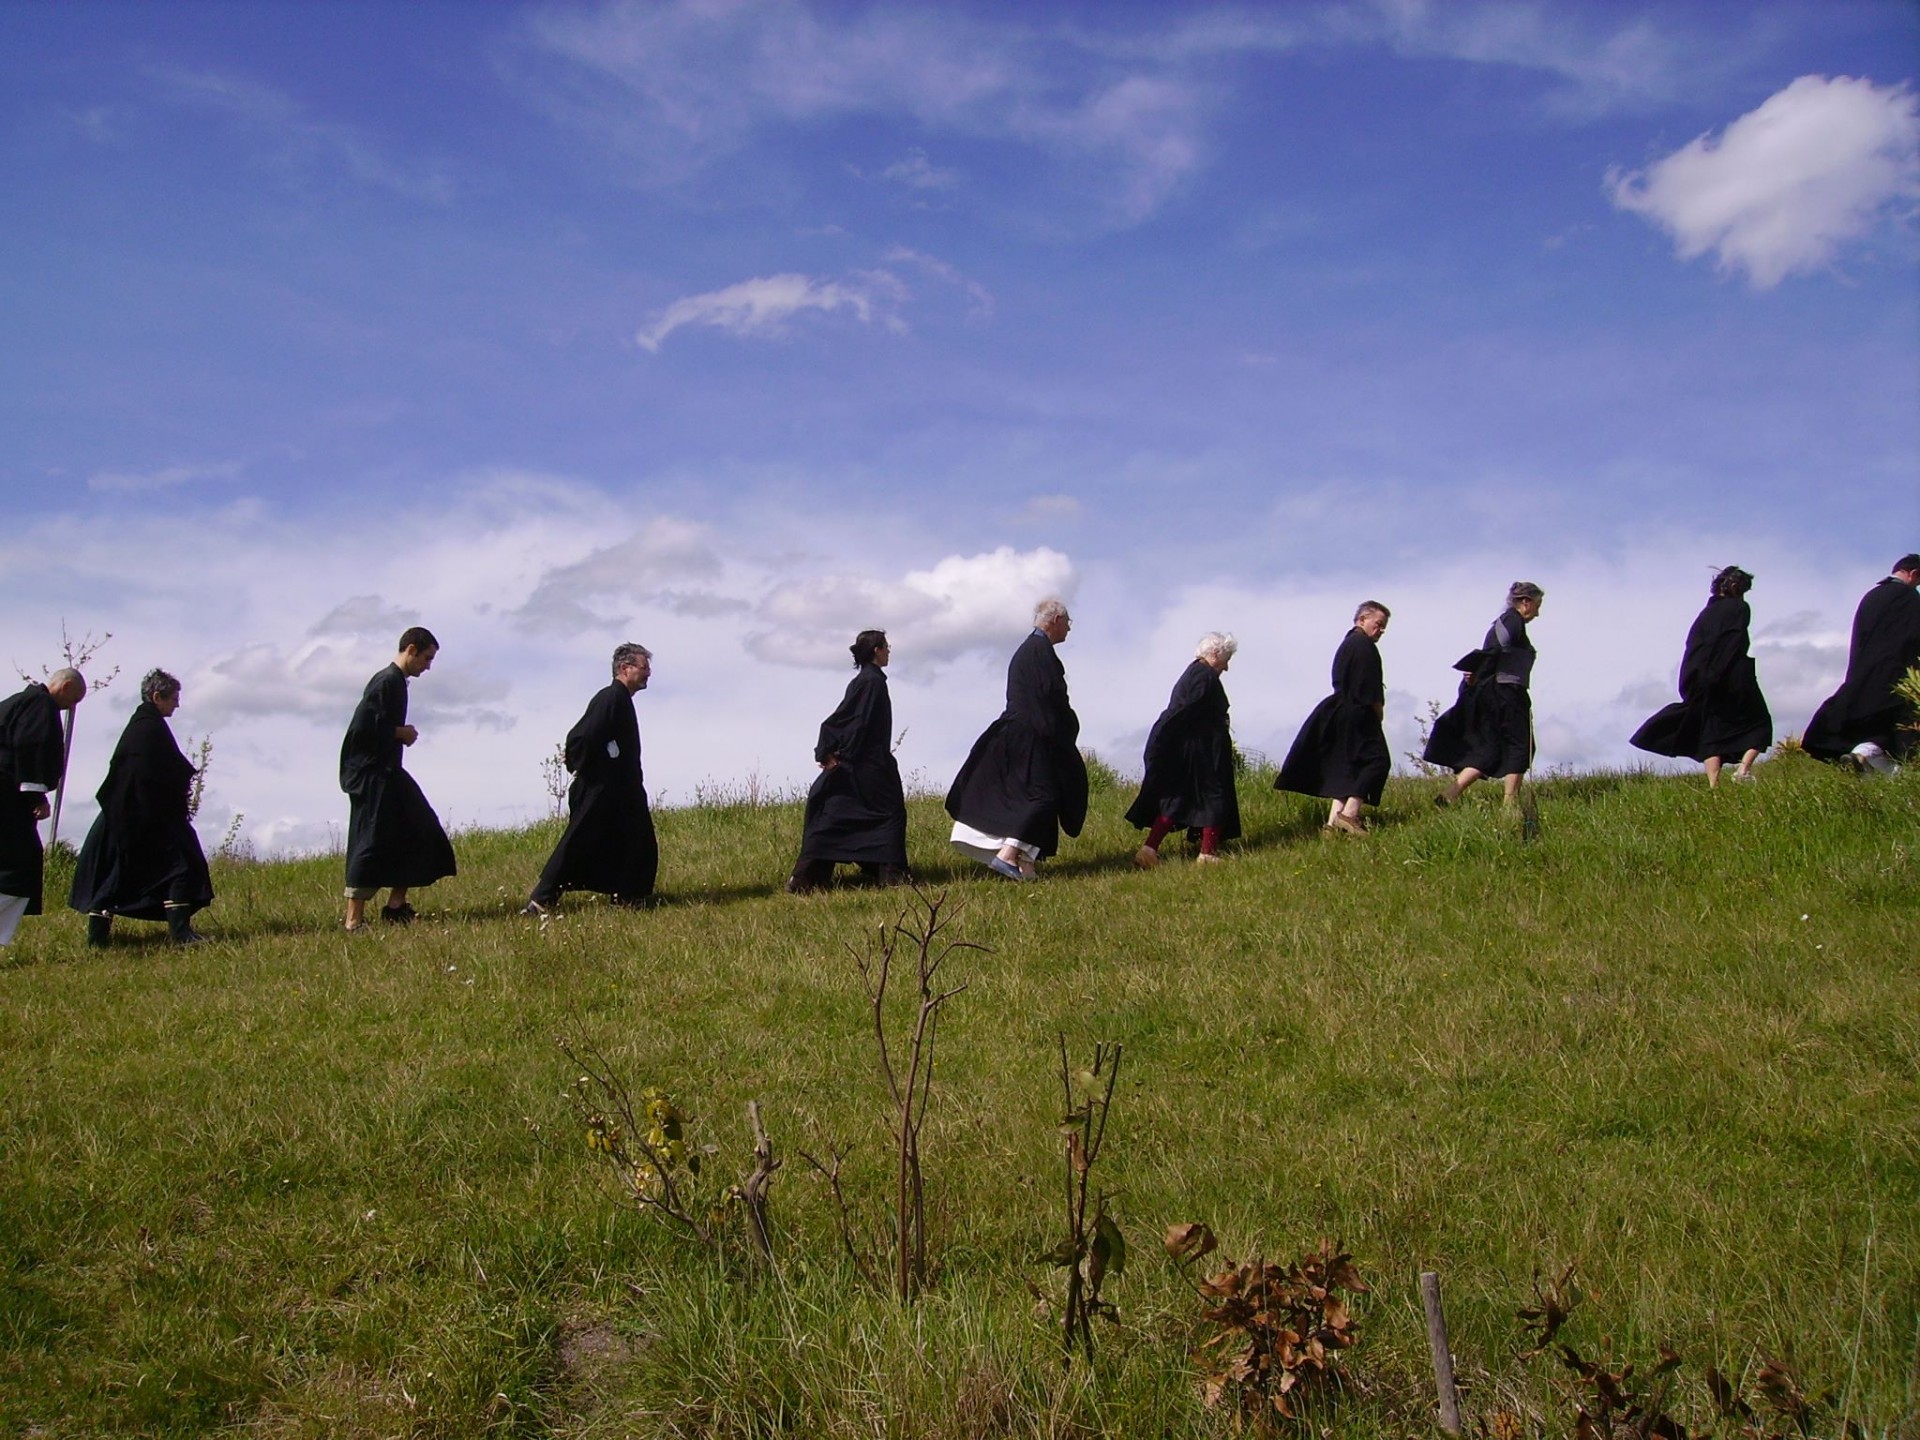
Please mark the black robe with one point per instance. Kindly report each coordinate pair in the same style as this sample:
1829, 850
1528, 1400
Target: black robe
1189, 759
857, 810
1489, 727
393, 836
142, 852
1341, 750
1025, 777
32, 752
609, 844
1886, 644
1721, 712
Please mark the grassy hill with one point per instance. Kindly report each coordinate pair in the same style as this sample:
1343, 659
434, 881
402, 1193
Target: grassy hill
297, 1183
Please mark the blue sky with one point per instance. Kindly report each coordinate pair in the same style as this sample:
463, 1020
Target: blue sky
734, 327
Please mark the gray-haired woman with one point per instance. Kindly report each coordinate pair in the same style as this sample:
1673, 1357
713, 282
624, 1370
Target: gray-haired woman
1489, 730
1189, 782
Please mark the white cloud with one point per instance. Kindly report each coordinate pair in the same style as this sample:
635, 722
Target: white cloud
916, 172
642, 567
979, 298
294, 139
1787, 184
166, 477
761, 308
959, 604
678, 85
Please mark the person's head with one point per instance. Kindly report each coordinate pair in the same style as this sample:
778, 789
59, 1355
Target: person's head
1051, 619
1524, 596
1371, 619
632, 665
67, 686
870, 648
1907, 569
1217, 649
1731, 581
160, 690
415, 652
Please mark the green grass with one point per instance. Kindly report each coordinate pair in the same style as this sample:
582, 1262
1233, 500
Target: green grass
300, 1184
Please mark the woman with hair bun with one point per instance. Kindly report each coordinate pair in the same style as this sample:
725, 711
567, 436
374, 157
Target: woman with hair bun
1341, 751
1489, 730
142, 859
856, 808
1189, 761
1721, 714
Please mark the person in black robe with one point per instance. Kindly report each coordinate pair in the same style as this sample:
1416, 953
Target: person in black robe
1864, 723
1721, 714
1024, 781
1489, 729
1189, 779
609, 844
856, 807
1341, 752
33, 758
394, 840
142, 858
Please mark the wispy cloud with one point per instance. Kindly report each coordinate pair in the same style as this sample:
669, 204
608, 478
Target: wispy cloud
294, 138
979, 298
678, 85
762, 307
167, 477
1785, 186
916, 172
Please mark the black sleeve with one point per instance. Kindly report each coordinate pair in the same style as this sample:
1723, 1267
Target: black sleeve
848, 731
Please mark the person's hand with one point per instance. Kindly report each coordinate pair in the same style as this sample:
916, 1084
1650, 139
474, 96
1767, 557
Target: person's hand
405, 734
832, 762
41, 809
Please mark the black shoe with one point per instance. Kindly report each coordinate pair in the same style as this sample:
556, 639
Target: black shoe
401, 914
99, 930
180, 926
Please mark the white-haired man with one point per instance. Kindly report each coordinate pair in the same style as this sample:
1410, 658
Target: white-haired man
33, 757
1024, 781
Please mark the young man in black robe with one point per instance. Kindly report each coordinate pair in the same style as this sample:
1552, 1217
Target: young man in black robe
1189, 780
1341, 752
1863, 723
142, 858
856, 807
1721, 714
394, 840
609, 844
1024, 781
33, 757
1489, 730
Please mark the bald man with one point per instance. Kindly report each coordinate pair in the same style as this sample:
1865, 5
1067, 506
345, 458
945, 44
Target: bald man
33, 757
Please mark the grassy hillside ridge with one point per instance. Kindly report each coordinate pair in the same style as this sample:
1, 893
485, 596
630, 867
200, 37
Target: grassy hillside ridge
297, 1183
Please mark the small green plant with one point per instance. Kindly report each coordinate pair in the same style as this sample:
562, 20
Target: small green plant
652, 1165
553, 777
1279, 1329
1417, 760
1907, 687
1094, 1247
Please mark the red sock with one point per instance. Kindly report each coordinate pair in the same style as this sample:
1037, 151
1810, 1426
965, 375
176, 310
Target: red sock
1209, 838
1159, 832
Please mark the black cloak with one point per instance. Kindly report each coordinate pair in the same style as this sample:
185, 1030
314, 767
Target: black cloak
1886, 644
32, 752
1341, 750
1721, 712
1490, 725
142, 852
609, 845
1189, 759
857, 810
1024, 777
393, 836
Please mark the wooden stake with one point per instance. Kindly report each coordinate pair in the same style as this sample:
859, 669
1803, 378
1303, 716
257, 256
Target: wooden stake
1442, 1356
